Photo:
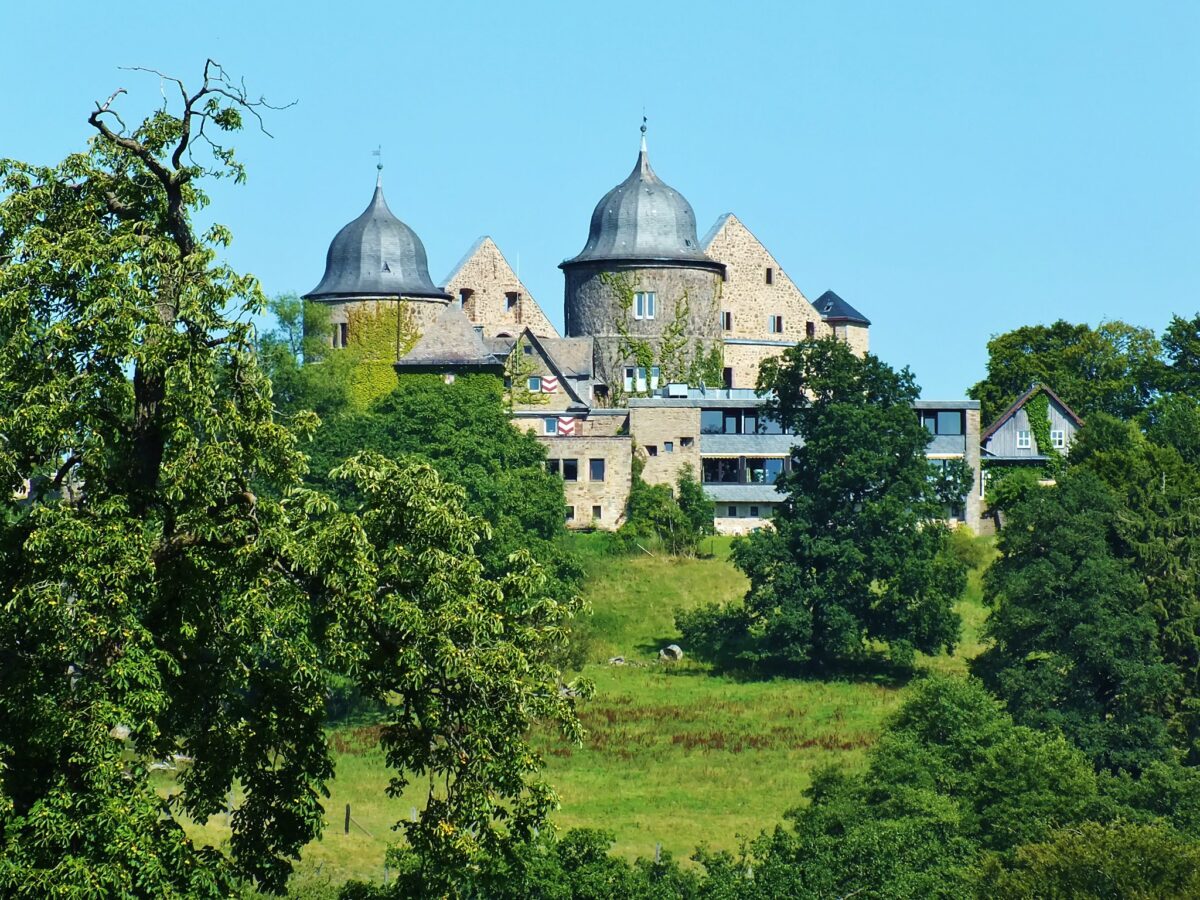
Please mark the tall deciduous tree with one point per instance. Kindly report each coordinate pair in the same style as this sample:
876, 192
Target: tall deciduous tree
188, 595
1114, 368
857, 551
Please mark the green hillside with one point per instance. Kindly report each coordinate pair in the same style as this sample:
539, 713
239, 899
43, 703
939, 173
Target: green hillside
673, 754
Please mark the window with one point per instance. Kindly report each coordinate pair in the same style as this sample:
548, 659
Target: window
1023, 441
754, 512
596, 512
528, 348
668, 447
727, 377
570, 470
643, 304
733, 422
732, 511
810, 330
596, 469
554, 466
511, 299
760, 470
570, 514
651, 450
943, 421
464, 295
726, 320
550, 425
655, 374
712, 421
635, 378
686, 441
535, 383
770, 275
1058, 439
775, 324
341, 336
720, 470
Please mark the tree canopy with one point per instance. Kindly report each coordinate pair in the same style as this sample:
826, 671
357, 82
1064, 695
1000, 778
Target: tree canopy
858, 550
171, 589
1114, 368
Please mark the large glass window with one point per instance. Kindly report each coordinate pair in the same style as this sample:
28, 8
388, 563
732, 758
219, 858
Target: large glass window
712, 421
570, 470
760, 470
733, 421
943, 421
718, 470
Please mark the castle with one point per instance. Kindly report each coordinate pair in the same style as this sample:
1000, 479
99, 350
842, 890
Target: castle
665, 332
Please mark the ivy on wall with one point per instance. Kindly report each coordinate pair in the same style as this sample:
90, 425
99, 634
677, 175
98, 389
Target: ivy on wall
678, 356
1037, 409
379, 334
517, 369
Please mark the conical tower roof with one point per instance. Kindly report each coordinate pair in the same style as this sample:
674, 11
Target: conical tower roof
644, 219
376, 255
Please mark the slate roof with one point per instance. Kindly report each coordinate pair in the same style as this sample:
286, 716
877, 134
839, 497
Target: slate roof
1021, 401
451, 342
834, 309
644, 219
376, 255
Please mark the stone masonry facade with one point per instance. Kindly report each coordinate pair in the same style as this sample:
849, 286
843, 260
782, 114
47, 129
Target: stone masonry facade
492, 295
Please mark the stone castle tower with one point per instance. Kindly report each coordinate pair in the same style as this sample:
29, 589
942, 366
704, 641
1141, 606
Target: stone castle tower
644, 289
376, 285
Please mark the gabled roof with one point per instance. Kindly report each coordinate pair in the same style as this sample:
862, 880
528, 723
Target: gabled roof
539, 344
834, 309
1021, 401
451, 342
466, 258
706, 241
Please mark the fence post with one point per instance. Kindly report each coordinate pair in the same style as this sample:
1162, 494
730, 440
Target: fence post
347, 818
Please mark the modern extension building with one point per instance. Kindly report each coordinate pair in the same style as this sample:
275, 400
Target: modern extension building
664, 335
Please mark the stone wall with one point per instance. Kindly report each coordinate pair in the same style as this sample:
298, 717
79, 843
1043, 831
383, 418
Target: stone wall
684, 332
584, 495
488, 280
744, 360
657, 427
974, 504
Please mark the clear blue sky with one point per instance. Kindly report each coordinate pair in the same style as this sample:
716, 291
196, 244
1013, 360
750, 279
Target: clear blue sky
953, 169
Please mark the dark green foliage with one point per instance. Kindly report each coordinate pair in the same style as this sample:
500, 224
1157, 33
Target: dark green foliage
1098, 862
1073, 636
1181, 342
190, 595
1114, 368
576, 866
675, 520
858, 551
305, 375
464, 431
1174, 421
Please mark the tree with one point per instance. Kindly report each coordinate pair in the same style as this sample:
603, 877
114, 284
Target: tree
465, 432
1073, 638
1181, 341
305, 376
190, 596
679, 520
858, 552
1114, 368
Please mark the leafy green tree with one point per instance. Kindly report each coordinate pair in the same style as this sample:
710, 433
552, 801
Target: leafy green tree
464, 431
858, 553
1095, 861
305, 375
1073, 638
1114, 368
1181, 342
677, 520
189, 595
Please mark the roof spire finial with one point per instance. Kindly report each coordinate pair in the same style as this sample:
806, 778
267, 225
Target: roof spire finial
378, 151
643, 129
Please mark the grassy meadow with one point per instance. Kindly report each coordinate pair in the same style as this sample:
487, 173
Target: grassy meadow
673, 754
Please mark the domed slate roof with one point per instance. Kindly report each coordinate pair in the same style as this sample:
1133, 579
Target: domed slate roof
644, 219
376, 255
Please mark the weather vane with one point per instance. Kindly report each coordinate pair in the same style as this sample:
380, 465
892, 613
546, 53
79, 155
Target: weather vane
378, 151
